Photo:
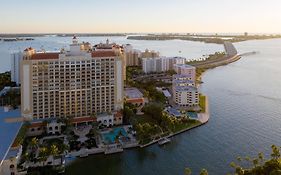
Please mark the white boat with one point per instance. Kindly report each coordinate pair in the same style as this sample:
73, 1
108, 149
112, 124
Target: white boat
163, 141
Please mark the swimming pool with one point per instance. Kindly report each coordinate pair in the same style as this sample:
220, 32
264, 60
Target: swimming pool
110, 137
192, 115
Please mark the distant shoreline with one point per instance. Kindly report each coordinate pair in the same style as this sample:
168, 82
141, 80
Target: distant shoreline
215, 39
22, 35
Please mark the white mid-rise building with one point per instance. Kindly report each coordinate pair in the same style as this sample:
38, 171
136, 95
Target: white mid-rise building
185, 92
16, 59
185, 69
186, 96
160, 64
75, 83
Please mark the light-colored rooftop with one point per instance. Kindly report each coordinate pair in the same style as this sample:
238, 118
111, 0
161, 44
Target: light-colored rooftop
186, 88
133, 93
167, 93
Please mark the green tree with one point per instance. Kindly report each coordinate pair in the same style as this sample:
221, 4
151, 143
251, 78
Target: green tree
34, 143
54, 150
154, 111
43, 155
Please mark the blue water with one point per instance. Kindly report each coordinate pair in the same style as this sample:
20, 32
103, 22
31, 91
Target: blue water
110, 136
245, 105
190, 50
192, 115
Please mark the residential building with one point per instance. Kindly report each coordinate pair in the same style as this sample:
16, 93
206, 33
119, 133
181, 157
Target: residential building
160, 64
186, 96
185, 92
149, 54
183, 80
75, 83
105, 119
16, 59
132, 56
134, 96
186, 70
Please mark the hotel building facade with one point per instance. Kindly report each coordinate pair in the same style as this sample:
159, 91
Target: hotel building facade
80, 82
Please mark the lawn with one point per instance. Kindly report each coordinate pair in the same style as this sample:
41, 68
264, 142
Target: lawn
189, 124
202, 103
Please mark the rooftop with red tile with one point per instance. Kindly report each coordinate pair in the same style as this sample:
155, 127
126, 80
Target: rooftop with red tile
44, 56
103, 54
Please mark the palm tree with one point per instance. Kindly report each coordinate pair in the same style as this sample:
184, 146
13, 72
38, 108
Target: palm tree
255, 162
261, 156
43, 155
275, 152
34, 143
54, 150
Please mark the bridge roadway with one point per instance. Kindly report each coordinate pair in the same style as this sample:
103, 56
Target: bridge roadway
231, 56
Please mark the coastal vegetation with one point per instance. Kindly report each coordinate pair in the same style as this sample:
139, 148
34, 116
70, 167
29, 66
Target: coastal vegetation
38, 152
21, 135
212, 57
254, 166
217, 39
155, 123
5, 80
202, 103
12, 96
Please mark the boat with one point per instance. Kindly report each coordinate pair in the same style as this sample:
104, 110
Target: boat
163, 141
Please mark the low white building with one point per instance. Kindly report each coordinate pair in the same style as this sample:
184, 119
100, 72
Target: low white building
9, 164
54, 127
105, 119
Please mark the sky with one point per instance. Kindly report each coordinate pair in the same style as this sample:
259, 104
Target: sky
140, 16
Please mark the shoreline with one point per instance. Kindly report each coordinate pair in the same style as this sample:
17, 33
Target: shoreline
213, 39
203, 118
